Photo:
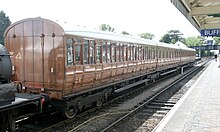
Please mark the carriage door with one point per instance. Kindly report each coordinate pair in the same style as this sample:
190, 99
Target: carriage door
48, 53
70, 68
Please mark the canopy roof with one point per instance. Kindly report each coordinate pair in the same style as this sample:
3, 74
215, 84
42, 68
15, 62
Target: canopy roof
203, 14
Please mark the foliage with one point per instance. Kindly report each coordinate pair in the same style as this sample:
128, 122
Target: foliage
172, 37
194, 41
206, 53
166, 39
4, 23
106, 27
217, 40
125, 33
147, 36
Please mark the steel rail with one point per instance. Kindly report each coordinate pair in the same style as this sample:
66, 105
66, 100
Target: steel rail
149, 100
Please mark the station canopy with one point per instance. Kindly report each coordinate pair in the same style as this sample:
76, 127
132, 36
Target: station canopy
202, 14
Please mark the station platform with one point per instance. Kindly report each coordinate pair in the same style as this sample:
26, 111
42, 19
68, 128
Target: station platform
199, 108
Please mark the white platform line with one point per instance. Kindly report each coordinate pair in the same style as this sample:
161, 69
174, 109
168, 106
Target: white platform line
169, 115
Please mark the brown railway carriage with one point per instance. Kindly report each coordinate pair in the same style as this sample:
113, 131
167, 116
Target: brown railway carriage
61, 63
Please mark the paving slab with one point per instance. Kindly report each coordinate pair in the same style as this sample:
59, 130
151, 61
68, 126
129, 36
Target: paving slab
199, 109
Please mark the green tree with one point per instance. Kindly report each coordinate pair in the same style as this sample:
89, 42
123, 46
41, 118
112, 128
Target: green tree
217, 40
172, 37
106, 27
166, 39
4, 23
146, 35
125, 33
194, 41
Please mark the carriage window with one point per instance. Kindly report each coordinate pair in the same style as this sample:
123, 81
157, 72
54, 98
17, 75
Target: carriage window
104, 52
136, 52
121, 52
168, 54
133, 52
129, 52
145, 53
149, 55
171, 54
104, 57
125, 52
92, 51
113, 52
159, 53
85, 52
108, 52
69, 51
165, 53
153, 54
78, 53
141, 54
117, 49
98, 53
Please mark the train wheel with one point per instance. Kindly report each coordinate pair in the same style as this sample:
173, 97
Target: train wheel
70, 113
98, 103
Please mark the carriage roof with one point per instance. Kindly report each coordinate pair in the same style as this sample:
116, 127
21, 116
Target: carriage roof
111, 36
123, 38
69, 30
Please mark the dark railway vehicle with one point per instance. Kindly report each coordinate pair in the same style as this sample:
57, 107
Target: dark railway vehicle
77, 68
12, 104
5, 65
7, 90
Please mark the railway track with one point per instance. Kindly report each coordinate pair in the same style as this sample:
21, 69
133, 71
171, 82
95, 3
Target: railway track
154, 109
121, 109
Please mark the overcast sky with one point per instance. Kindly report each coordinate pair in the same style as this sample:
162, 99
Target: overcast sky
134, 16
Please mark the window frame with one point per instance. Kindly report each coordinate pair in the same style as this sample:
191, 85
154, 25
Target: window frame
80, 61
66, 50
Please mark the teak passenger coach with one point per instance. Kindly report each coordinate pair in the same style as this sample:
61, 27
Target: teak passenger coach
77, 68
